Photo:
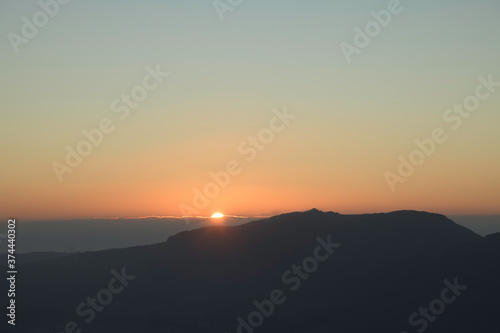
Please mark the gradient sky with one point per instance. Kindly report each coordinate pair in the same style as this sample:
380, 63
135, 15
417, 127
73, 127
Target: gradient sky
352, 120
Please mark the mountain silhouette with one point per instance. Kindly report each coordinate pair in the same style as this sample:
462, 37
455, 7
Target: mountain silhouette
357, 273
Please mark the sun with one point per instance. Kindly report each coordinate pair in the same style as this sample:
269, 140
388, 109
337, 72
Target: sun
217, 215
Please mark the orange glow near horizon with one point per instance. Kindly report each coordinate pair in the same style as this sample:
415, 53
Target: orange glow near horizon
246, 196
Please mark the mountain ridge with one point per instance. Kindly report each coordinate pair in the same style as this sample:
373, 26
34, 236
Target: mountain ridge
216, 272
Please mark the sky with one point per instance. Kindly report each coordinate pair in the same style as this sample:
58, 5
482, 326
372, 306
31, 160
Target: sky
334, 126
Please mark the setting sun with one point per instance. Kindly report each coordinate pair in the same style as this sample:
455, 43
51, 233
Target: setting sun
217, 215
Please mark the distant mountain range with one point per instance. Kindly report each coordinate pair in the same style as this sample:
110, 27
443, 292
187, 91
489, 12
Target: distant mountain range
312, 271
71, 236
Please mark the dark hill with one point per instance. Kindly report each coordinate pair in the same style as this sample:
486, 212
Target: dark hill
386, 267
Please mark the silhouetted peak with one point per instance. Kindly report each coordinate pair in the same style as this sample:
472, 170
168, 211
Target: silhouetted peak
317, 212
